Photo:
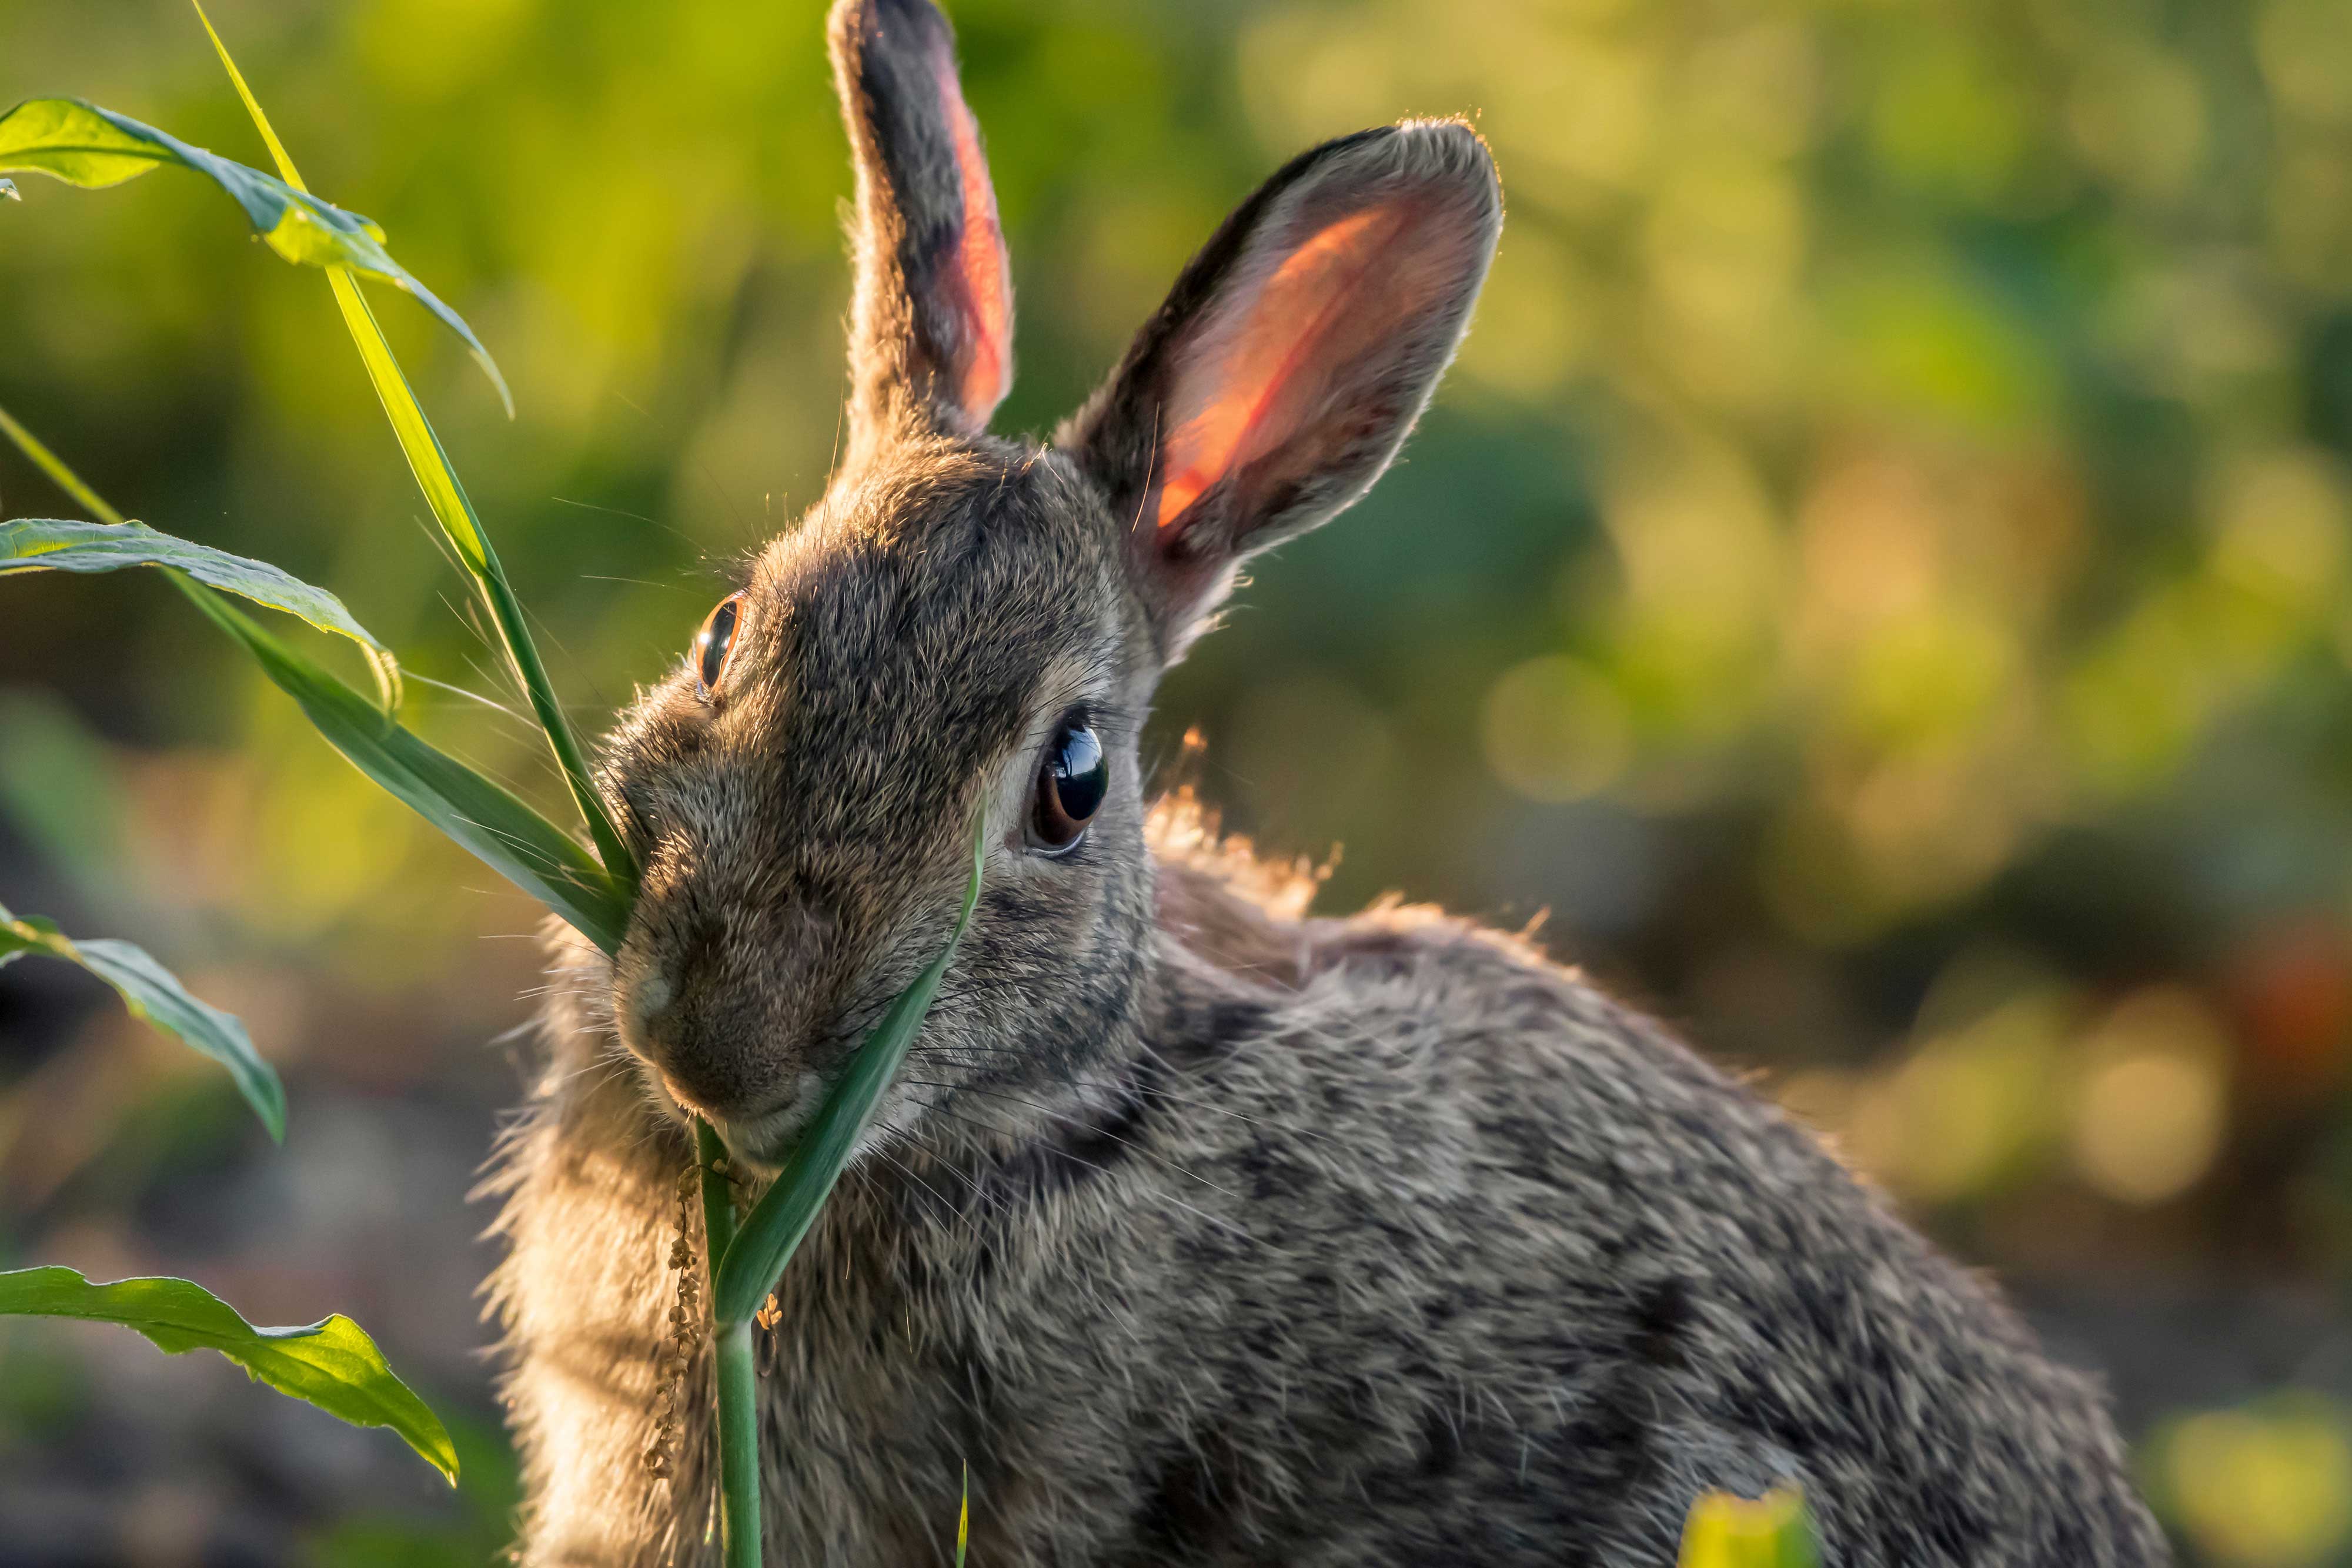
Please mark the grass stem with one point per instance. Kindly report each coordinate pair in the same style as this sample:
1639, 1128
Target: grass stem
438, 480
738, 1448
737, 1375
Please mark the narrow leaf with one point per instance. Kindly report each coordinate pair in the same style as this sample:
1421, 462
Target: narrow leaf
85, 145
770, 1234
453, 510
153, 994
39, 544
331, 1364
735, 1369
515, 841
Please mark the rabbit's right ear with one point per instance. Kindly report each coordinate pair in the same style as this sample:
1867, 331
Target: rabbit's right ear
1291, 361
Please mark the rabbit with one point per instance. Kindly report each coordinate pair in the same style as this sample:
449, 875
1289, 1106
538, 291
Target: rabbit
1199, 1231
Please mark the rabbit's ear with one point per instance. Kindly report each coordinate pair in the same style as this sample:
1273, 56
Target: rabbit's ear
1292, 359
931, 326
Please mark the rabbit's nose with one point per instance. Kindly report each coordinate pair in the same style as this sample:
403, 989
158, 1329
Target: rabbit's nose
681, 1020
694, 1060
725, 1004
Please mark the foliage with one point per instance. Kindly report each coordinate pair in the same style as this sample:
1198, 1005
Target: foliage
331, 1364
455, 515
48, 544
152, 993
85, 145
474, 812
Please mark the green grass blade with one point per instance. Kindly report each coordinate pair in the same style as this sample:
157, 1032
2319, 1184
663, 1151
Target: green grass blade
736, 1368
718, 1199
91, 148
154, 995
50, 544
331, 1364
963, 1518
50, 463
515, 841
770, 1234
454, 511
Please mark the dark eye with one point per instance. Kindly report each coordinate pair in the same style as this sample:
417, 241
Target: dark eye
1071, 783
715, 643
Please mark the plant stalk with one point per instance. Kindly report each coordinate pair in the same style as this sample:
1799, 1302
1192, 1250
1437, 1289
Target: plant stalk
63, 478
737, 1370
463, 527
434, 475
738, 1448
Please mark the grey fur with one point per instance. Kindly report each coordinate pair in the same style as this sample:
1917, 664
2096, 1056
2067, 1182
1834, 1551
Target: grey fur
1201, 1231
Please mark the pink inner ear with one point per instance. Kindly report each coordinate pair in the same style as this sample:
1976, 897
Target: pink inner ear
980, 295
1270, 366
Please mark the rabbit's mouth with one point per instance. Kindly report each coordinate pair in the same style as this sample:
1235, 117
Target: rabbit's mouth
758, 1080
763, 1138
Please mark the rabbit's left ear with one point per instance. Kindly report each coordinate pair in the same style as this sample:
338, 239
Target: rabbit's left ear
1291, 361
931, 326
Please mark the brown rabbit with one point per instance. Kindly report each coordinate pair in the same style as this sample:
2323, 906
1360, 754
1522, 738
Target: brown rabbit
1200, 1231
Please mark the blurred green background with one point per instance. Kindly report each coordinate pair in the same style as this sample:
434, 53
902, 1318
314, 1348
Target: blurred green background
1878, 576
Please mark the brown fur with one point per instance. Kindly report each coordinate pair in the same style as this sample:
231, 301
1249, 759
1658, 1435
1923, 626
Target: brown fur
1199, 1231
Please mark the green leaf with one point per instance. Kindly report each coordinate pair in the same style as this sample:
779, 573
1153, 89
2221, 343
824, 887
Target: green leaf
92, 148
772, 1230
152, 993
331, 1364
39, 544
515, 841
454, 511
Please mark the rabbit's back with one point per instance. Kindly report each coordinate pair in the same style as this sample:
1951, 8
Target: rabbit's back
1447, 1253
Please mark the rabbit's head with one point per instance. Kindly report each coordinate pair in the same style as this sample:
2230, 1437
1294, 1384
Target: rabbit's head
970, 628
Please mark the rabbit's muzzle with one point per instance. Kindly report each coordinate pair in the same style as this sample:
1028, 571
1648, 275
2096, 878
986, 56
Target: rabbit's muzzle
723, 1009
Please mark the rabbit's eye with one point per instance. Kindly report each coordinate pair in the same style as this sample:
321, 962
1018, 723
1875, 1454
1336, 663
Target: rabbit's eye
715, 643
1071, 783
